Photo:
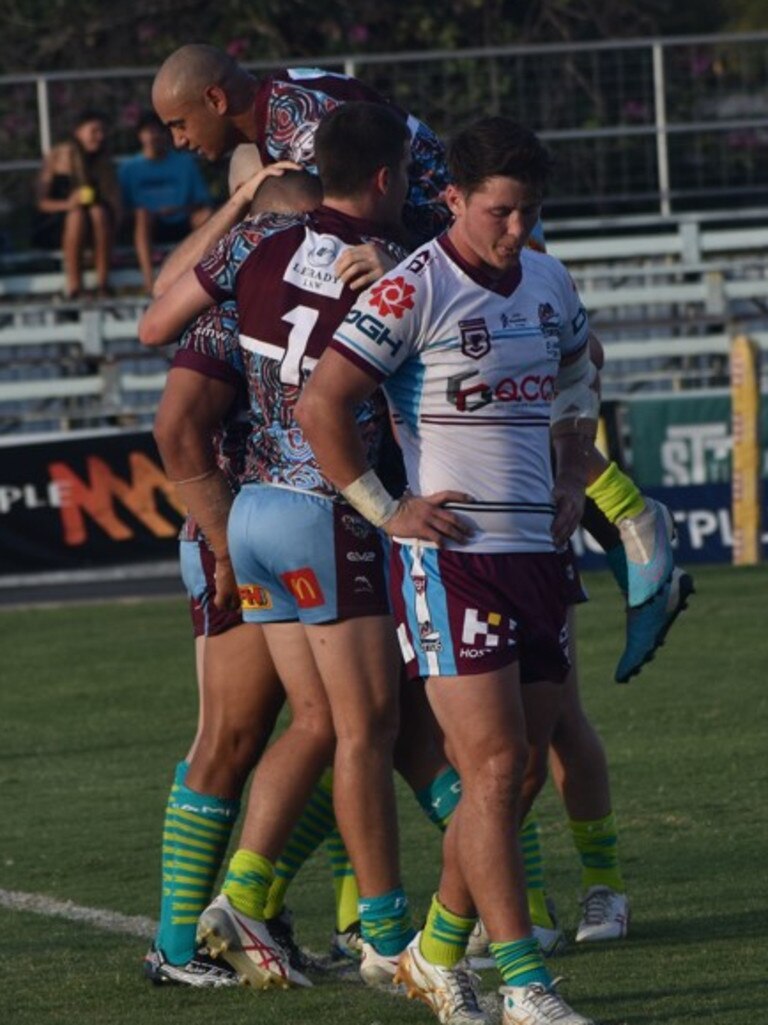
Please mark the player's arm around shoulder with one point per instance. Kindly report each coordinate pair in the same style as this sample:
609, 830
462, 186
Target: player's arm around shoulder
210, 281
167, 316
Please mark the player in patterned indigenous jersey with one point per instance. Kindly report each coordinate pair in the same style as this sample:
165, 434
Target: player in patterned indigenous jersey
481, 347
309, 567
211, 104
203, 413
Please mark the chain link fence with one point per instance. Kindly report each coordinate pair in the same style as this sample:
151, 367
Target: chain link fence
648, 126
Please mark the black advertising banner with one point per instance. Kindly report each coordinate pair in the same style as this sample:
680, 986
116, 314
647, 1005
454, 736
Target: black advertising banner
84, 500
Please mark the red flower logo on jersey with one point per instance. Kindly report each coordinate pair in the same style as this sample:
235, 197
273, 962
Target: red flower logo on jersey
392, 295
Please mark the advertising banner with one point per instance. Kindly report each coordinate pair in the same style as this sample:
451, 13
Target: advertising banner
679, 440
84, 500
703, 519
97, 500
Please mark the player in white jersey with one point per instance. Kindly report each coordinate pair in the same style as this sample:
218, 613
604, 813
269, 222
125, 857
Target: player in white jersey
482, 350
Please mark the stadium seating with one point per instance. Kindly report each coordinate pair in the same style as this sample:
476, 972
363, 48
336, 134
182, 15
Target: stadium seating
665, 304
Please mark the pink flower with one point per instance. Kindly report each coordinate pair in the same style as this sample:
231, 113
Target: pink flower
237, 47
358, 34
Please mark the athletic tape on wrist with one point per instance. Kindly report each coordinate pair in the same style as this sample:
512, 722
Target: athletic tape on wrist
371, 499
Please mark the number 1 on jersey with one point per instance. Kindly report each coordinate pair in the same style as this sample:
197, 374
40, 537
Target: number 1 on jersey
303, 319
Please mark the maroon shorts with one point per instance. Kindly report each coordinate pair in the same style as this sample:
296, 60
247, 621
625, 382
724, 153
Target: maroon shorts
198, 569
575, 592
460, 613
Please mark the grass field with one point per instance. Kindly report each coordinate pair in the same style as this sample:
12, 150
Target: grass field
98, 703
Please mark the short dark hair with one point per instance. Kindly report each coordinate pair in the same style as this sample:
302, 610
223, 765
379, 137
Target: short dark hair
149, 119
353, 141
497, 147
88, 114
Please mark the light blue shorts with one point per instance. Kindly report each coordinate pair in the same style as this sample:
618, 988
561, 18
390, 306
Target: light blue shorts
298, 556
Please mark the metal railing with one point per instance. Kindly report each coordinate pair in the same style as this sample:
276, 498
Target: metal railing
642, 125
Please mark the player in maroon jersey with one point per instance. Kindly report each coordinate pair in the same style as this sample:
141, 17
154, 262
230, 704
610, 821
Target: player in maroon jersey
211, 104
310, 569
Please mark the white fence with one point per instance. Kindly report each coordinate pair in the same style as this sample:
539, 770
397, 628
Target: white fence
645, 124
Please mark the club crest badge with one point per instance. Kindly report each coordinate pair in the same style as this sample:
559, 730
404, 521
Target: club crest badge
475, 337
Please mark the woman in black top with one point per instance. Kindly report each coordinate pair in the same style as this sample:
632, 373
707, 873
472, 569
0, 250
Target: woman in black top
77, 188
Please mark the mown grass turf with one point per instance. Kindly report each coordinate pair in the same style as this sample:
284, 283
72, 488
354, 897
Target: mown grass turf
98, 703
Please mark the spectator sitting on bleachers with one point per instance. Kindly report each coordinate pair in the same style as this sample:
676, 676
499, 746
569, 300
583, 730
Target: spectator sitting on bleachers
165, 190
77, 190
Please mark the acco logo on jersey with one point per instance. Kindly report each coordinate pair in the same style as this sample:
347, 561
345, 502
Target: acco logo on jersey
305, 587
468, 398
373, 328
255, 598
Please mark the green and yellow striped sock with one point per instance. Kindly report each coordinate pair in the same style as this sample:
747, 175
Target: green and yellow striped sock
247, 883
520, 962
597, 843
385, 922
346, 893
615, 495
195, 837
445, 934
316, 822
534, 873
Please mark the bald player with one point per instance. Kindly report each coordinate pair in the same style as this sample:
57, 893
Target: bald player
210, 104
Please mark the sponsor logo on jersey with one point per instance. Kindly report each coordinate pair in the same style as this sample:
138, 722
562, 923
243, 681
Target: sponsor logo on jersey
429, 638
564, 641
548, 318
475, 337
356, 525
302, 145
488, 630
305, 587
255, 598
392, 296
420, 262
579, 320
516, 319
324, 252
363, 585
474, 652
373, 328
361, 556
311, 266
468, 398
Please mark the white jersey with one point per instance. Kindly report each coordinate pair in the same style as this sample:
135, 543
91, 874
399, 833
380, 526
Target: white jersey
468, 364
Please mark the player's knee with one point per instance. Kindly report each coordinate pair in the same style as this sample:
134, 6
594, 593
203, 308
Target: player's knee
373, 725
497, 777
536, 773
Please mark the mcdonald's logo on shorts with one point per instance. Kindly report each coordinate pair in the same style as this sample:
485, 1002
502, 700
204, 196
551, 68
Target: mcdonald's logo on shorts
255, 597
305, 587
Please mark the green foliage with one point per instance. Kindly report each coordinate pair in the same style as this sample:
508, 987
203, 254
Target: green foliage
75, 34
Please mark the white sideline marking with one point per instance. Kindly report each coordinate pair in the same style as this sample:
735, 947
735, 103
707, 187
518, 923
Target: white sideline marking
111, 921
102, 918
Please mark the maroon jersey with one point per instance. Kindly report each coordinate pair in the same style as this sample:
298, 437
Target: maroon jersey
290, 104
280, 270
209, 346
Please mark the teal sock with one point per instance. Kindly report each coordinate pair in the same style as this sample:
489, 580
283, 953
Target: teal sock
440, 797
195, 836
520, 962
316, 823
385, 922
617, 563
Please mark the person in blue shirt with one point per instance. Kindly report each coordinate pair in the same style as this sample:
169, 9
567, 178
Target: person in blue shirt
165, 191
